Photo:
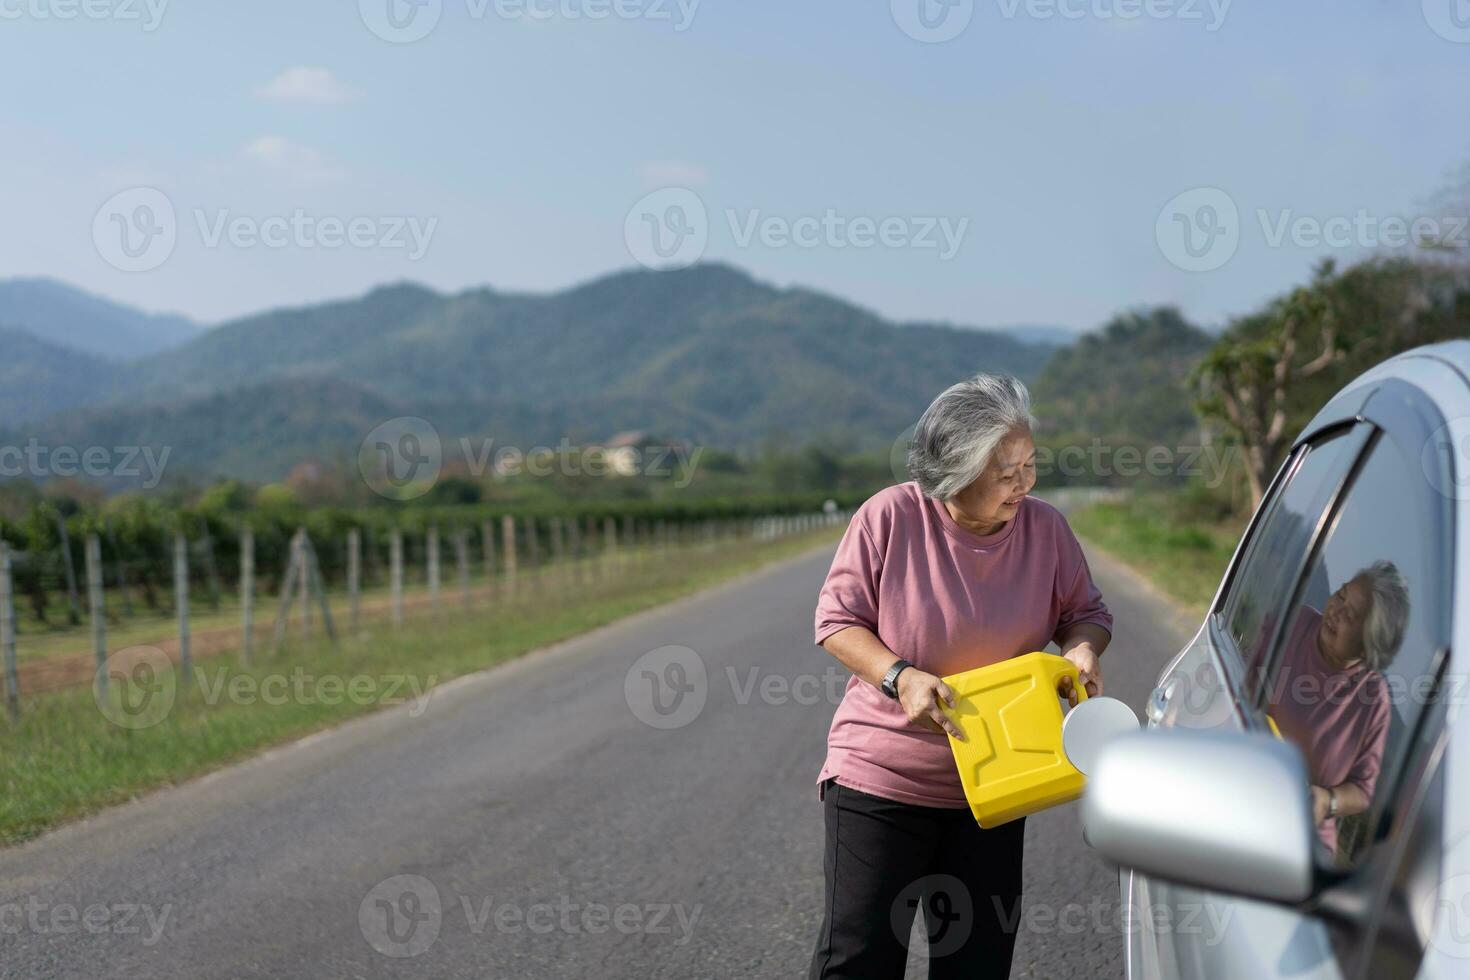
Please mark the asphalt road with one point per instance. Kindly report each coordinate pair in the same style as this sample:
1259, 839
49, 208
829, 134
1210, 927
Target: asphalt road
535, 821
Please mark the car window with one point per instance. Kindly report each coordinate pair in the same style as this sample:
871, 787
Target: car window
1260, 588
1351, 670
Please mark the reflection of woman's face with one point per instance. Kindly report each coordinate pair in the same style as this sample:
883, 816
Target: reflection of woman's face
1340, 639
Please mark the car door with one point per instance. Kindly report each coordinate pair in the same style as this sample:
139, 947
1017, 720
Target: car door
1182, 932
1331, 630
1386, 548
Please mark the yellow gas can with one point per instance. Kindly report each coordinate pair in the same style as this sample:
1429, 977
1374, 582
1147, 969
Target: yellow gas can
1012, 762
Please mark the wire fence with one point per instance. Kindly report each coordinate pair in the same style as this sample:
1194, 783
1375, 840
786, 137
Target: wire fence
221, 592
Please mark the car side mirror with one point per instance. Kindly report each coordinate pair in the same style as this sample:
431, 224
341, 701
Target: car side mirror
1224, 811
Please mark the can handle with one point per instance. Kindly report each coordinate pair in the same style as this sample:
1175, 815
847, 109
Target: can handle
1065, 668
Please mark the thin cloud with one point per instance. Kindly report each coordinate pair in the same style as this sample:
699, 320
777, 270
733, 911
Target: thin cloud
306, 85
282, 156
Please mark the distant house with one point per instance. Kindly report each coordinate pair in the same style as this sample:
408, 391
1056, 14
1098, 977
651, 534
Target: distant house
633, 439
627, 452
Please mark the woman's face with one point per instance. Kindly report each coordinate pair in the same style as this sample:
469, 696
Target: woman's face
1341, 637
995, 496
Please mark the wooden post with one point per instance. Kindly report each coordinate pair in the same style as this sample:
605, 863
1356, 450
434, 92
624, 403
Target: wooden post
74, 606
609, 544
508, 548
211, 572
487, 546
371, 572
181, 601
432, 556
303, 582
395, 573
558, 543
462, 563
247, 591
119, 573
354, 579
591, 544
95, 607
315, 583
574, 534
7, 634
533, 543
289, 585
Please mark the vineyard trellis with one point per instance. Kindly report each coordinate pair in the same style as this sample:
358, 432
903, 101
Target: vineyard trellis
161, 557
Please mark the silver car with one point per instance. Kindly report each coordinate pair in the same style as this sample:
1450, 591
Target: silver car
1299, 805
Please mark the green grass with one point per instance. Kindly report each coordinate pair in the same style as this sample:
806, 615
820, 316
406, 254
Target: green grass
65, 759
1181, 550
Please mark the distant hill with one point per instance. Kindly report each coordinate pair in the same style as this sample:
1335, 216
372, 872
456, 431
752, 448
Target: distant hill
1125, 381
68, 317
1043, 334
38, 378
707, 354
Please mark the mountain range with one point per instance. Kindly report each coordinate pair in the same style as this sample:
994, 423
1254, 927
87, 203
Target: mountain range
80, 321
707, 354
1124, 382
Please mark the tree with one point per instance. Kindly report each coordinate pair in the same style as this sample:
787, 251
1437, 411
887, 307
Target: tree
1271, 371
1246, 379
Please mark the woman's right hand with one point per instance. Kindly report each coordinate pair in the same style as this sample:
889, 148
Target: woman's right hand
920, 694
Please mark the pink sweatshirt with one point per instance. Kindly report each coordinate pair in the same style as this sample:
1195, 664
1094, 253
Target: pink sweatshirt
947, 600
1338, 718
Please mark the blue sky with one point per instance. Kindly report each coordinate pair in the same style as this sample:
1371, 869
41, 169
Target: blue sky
518, 144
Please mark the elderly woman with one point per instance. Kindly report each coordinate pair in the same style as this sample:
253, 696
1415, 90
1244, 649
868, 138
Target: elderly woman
955, 570
1329, 697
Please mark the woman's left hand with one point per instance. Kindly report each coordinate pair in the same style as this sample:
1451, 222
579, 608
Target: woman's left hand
1089, 667
1321, 800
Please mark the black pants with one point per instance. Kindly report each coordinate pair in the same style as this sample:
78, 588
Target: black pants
886, 860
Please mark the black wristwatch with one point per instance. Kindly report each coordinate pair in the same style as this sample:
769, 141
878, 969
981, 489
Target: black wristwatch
890, 679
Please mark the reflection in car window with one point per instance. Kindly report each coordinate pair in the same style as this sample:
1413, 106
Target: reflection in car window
1346, 686
1262, 587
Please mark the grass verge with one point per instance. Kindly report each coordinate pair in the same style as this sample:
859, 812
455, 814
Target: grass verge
67, 757
1176, 545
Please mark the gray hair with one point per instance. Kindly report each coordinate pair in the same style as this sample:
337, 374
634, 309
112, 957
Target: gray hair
1383, 627
959, 431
